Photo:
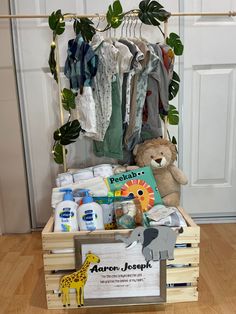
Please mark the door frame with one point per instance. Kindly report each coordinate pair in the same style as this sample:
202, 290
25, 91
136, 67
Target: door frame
21, 99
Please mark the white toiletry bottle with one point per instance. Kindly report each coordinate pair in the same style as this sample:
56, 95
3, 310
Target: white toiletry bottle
66, 213
90, 214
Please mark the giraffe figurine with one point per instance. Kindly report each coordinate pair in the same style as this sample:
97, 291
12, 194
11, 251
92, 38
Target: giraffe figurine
77, 280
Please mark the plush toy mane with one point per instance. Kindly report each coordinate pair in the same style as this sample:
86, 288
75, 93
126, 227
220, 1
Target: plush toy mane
140, 149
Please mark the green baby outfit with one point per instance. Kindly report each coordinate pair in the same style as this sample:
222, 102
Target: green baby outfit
112, 143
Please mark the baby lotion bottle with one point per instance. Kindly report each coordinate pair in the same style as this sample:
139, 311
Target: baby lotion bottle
90, 214
66, 213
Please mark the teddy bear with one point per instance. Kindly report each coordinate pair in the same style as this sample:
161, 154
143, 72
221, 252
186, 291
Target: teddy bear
160, 154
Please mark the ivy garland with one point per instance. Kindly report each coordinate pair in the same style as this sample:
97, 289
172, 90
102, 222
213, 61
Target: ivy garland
150, 12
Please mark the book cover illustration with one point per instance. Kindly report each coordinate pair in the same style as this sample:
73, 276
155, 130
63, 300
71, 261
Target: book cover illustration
139, 183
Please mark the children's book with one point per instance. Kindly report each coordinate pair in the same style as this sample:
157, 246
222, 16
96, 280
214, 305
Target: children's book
139, 183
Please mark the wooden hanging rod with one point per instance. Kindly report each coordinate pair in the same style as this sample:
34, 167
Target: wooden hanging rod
70, 16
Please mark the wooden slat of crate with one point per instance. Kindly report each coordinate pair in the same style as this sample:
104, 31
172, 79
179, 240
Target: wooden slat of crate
174, 275
182, 275
53, 241
59, 240
180, 294
49, 226
67, 260
185, 256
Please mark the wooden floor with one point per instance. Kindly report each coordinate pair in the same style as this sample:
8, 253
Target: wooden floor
22, 281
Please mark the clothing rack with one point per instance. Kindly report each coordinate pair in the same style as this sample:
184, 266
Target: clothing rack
103, 16
70, 16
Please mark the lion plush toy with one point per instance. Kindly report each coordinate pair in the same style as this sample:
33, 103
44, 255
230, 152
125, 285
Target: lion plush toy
160, 154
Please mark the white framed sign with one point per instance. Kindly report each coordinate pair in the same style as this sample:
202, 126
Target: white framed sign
122, 276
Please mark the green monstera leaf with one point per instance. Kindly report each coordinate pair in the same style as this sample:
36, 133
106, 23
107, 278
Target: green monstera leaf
52, 62
115, 14
85, 27
68, 99
174, 86
58, 153
172, 116
152, 12
68, 133
174, 42
56, 23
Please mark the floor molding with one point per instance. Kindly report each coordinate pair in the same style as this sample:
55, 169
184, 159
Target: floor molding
209, 218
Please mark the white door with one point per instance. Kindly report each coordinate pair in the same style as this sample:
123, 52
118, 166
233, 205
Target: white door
38, 91
208, 122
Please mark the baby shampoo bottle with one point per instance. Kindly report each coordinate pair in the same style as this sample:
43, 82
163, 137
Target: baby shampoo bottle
66, 213
90, 214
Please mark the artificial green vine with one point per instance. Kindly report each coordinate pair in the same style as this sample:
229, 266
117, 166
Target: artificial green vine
57, 25
150, 12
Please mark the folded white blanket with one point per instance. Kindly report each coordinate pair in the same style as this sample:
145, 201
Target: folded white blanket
96, 186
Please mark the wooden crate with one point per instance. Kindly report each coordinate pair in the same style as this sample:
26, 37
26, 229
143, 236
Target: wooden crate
182, 280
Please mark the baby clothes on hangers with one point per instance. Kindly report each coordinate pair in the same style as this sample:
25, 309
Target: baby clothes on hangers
152, 60
168, 59
137, 104
129, 89
81, 64
157, 97
80, 68
102, 92
124, 59
160, 74
85, 112
112, 145
130, 80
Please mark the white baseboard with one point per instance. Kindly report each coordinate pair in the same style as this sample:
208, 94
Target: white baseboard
209, 218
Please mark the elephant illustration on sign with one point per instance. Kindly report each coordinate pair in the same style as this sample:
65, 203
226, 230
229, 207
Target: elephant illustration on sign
158, 243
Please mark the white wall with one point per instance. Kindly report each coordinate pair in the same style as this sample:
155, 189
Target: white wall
14, 211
